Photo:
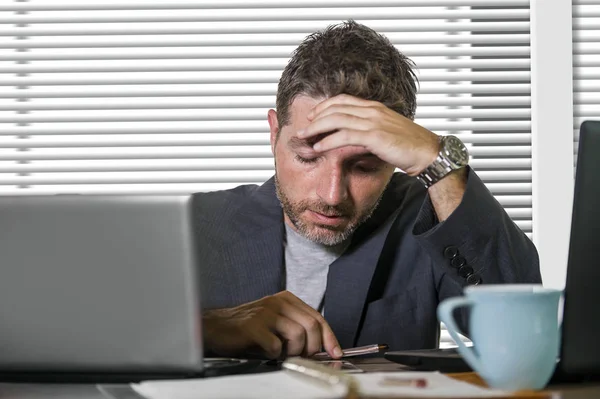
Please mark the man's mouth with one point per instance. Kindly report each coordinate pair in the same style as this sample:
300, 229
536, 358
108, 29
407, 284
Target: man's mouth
327, 218
330, 215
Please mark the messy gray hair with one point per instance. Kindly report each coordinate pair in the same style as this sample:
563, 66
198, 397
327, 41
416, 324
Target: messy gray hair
348, 58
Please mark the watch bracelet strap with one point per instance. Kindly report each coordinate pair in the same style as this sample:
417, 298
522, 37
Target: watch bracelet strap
437, 170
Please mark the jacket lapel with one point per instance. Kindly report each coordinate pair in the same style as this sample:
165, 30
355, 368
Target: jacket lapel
350, 275
257, 248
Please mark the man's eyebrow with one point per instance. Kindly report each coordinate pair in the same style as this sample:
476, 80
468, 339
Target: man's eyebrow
297, 142
365, 156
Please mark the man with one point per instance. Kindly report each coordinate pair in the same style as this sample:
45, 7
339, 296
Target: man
336, 231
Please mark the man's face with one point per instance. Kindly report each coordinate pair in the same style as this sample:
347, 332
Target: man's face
325, 196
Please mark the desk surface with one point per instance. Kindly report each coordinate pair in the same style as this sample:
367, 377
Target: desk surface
91, 391
573, 391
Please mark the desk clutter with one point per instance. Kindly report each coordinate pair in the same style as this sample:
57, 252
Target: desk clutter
305, 379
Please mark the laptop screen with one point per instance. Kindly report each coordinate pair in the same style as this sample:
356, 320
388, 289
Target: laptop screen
580, 353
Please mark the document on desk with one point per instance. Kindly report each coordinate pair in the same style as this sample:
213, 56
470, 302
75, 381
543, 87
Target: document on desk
280, 384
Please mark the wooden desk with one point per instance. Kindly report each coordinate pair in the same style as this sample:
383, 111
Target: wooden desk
566, 391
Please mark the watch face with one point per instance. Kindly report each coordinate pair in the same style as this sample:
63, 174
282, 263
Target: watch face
456, 151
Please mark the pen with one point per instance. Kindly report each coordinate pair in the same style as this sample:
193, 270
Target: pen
317, 372
361, 350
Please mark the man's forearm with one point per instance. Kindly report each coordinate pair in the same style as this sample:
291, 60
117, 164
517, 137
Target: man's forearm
446, 195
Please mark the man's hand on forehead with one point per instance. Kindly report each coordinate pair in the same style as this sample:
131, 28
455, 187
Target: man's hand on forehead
296, 143
346, 120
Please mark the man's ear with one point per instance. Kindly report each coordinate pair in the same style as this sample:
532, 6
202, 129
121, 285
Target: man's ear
274, 127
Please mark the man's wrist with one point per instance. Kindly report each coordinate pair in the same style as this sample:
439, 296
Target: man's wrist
452, 155
457, 178
429, 155
446, 195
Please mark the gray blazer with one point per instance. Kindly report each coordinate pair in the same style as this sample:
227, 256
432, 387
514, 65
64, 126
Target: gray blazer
400, 264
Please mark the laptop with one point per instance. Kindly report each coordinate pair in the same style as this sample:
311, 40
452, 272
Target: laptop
101, 288
579, 354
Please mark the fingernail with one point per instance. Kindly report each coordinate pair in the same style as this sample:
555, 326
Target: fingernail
337, 351
300, 132
317, 146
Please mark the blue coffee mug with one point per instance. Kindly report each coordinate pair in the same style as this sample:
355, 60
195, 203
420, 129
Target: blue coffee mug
515, 333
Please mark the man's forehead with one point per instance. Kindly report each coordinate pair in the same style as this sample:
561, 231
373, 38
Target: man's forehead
302, 102
300, 107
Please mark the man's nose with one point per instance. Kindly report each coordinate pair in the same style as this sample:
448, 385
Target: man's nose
333, 188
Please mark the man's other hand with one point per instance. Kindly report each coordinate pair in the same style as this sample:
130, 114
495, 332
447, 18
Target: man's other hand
264, 326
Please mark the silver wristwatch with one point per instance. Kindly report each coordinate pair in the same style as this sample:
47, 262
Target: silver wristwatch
453, 155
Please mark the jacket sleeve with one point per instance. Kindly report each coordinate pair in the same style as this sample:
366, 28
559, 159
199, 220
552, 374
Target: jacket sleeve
478, 244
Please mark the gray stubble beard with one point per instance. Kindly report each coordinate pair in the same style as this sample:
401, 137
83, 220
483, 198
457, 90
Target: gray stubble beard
305, 230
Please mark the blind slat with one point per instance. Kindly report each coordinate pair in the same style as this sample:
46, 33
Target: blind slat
495, 188
176, 188
250, 90
249, 102
227, 4
515, 200
520, 213
584, 24
304, 27
224, 177
267, 15
257, 151
221, 178
252, 40
248, 77
146, 189
586, 75
246, 139
133, 166
254, 65
249, 127
247, 114
195, 165
500, 164
152, 178
505, 176
435, 126
258, 52
581, 50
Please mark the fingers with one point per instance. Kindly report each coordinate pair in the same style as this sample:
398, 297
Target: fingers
270, 323
276, 330
290, 325
293, 333
328, 339
261, 334
330, 342
333, 123
311, 327
344, 99
342, 138
357, 110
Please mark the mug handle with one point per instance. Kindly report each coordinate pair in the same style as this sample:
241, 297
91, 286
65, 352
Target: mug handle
444, 312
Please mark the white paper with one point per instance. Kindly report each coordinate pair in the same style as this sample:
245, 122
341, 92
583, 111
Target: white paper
438, 385
283, 384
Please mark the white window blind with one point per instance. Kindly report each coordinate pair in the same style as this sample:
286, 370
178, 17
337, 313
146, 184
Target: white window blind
586, 64
156, 96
